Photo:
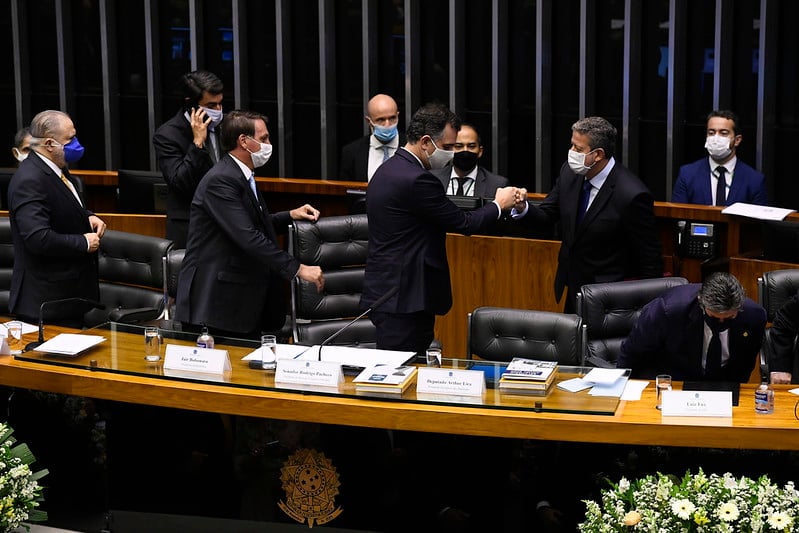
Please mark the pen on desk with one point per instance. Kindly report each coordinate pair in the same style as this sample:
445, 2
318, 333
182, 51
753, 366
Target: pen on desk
302, 352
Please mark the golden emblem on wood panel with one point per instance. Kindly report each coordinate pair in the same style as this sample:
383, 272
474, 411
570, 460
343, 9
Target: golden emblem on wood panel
311, 484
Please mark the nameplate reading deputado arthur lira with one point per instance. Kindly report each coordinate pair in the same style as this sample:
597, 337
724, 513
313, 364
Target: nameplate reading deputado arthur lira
300, 372
196, 359
450, 381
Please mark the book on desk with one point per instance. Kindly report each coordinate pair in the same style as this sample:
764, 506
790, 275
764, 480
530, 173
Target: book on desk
385, 378
528, 376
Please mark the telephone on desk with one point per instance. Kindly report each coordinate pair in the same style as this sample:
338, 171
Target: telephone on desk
696, 240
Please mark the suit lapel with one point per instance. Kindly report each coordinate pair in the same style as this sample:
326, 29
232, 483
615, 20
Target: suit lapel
480, 182
705, 184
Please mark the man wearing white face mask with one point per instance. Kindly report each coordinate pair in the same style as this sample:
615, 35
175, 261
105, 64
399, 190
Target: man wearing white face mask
720, 179
361, 158
234, 272
187, 146
22, 145
606, 215
409, 217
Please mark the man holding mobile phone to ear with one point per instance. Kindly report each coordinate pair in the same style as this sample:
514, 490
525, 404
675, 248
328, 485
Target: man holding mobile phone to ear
187, 146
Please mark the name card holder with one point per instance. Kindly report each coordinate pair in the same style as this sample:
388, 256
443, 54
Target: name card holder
451, 381
196, 359
697, 403
300, 372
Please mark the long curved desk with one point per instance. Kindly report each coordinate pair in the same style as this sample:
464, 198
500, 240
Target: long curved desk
250, 393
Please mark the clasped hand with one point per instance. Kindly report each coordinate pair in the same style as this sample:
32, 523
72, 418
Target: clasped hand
508, 197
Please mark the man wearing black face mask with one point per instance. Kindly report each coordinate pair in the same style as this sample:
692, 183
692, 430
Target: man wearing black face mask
466, 178
697, 332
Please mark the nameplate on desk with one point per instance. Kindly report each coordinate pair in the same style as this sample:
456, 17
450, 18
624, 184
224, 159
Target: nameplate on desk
697, 403
320, 373
196, 359
450, 381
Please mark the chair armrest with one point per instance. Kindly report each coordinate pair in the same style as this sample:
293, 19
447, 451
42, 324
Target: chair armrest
134, 316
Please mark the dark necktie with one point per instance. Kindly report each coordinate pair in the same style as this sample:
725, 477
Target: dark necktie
585, 194
713, 360
385, 152
460, 186
721, 186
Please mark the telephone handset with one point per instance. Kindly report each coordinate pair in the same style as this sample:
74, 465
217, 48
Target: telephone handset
696, 240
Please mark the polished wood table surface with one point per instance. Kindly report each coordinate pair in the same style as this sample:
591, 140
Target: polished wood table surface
252, 393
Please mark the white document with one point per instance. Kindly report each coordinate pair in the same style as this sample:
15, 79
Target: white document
26, 328
611, 390
69, 343
761, 212
604, 376
284, 351
348, 356
794, 391
574, 385
632, 392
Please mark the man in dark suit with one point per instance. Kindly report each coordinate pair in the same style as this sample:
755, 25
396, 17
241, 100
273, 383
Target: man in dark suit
187, 146
606, 216
232, 277
409, 216
783, 360
361, 158
466, 177
55, 237
697, 332
701, 181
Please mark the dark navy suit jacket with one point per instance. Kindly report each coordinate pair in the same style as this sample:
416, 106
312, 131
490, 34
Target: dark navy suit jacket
233, 275
669, 333
693, 185
409, 217
51, 260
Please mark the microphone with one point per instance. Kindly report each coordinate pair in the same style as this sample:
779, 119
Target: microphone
81, 304
380, 301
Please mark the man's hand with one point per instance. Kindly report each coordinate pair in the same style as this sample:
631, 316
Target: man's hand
312, 274
521, 199
199, 125
93, 241
97, 225
506, 197
305, 212
780, 377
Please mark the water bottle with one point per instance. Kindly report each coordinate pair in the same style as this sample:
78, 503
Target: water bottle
205, 340
764, 399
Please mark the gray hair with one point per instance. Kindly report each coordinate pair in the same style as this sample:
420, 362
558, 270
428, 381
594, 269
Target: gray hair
600, 133
721, 292
47, 124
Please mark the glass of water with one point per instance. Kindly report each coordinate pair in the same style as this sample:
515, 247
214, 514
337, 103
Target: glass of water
662, 383
268, 352
433, 357
152, 344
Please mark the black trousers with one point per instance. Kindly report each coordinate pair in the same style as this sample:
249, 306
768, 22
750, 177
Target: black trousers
404, 331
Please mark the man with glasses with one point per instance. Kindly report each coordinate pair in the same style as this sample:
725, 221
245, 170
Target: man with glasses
698, 332
362, 157
466, 177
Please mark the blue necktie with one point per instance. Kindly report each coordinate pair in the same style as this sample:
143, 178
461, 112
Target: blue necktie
585, 194
385, 152
251, 181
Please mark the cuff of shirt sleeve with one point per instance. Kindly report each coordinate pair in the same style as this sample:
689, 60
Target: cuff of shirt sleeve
516, 214
499, 209
88, 244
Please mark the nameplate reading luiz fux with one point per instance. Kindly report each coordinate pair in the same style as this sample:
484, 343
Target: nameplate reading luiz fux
697, 403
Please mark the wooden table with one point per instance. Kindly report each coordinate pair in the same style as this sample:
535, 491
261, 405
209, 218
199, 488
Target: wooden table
251, 393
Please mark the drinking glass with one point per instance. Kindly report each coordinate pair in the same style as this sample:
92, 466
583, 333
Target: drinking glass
434, 357
14, 337
662, 383
268, 352
152, 344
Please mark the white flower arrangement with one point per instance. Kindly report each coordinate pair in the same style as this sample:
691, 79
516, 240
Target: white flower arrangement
695, 503
20, 492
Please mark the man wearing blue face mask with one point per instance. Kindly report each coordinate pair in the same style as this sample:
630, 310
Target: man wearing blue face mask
697, 332
55, 237
361, 158
720, 179
187, 146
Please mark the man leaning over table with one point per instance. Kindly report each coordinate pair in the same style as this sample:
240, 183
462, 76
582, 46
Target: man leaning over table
783, 339
697, 332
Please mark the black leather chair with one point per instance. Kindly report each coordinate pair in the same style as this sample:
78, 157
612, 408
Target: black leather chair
609, 312
337, 244
6, 262
172, 262
131, 278
500, 334
773, 290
